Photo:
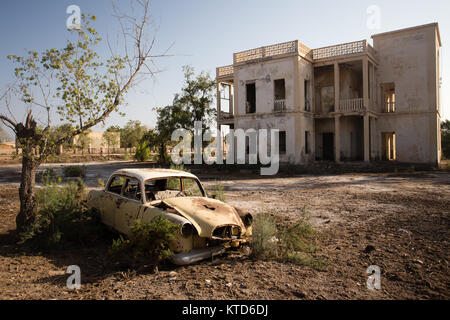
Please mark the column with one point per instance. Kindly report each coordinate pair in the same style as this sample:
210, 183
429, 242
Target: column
366, 138
365, 63
336, 87
337, 138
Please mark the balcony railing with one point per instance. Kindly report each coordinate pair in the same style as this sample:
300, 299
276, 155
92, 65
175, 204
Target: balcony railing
351, 105
343, 49
272, 51
389, 107
279, 105
225, 115
224, 71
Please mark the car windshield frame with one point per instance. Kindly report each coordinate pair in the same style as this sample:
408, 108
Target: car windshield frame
199, 184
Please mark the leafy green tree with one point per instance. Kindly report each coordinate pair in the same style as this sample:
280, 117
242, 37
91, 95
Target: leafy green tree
445, 138
77, 85
111, 137
83, 140
194, 103
131, 134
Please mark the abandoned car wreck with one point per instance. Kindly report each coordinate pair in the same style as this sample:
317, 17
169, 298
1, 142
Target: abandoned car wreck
207, 226
347, 102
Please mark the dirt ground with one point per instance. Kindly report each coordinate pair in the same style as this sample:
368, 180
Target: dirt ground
404, 217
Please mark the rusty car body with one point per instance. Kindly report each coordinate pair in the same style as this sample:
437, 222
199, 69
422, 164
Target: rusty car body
207, 226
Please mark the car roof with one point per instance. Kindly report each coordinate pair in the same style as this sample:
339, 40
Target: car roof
146, 174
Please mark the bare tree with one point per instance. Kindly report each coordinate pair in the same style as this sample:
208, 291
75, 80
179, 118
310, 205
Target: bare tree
79, 86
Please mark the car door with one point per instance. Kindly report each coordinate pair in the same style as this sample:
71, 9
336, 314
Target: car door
127, 210
111, 198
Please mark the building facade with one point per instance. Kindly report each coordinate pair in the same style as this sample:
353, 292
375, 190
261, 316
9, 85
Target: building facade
346, 102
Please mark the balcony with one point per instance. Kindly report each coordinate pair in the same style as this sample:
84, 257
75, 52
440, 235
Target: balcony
352, 105
350, 48
225, 116
280, 49
225, 72
279, 105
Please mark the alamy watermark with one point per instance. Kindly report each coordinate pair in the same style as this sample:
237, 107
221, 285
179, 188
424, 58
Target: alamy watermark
250, 146
74, 20
374, 277
374, 17
74, 280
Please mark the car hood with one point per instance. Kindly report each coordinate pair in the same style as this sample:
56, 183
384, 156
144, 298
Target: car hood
205, 214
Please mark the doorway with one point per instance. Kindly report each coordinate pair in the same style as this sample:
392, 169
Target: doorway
328, 146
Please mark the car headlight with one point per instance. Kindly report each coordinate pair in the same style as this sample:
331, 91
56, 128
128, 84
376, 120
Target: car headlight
187, 230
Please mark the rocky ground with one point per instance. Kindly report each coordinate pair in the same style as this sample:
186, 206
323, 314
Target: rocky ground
399, 222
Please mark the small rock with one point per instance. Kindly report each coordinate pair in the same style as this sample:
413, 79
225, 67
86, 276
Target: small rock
229, 284
418, 261
369, 249
208, 281
172, 274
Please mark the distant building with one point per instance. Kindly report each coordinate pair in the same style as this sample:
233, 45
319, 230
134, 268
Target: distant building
346, 102
96, 142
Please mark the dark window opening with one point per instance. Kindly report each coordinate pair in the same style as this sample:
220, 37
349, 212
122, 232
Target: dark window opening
280, 89
251, 98
282, 142
306, 142
307, 96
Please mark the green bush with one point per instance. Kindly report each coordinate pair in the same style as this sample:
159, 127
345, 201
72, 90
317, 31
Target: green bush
148, 240
142, 152
74, 171
48, 176
264, 232
294, 243
62, 218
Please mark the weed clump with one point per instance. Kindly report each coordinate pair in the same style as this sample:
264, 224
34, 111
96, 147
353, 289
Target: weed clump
149, 241
295, 243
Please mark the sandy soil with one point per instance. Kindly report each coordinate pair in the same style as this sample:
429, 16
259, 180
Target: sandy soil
405, 217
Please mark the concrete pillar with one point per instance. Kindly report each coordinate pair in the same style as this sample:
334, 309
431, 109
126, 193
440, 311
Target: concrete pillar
218, 100
337, 139
365, 68
366, 138
336, 87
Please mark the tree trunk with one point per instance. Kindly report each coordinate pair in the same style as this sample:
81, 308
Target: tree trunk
28, 202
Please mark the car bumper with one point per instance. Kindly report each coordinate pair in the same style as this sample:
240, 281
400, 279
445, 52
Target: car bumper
196, 255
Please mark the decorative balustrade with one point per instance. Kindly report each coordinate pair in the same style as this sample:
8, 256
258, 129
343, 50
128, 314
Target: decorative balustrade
351, 105
272, 51
343, 49
279, 105
224, 71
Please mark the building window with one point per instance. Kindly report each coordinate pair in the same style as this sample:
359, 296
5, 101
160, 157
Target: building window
282, 142
279, 95
389, 146
307, 142
225, 98
251, 98
388, 91
307, 96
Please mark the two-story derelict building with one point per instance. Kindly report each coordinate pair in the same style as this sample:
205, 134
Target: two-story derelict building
346, 102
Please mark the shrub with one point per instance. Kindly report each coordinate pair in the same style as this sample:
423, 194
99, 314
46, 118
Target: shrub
264, 232
294, 243
148, 240
142, 152
62, 218
74, 171
48, 176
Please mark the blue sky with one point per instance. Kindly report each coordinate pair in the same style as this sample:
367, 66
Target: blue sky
205, 34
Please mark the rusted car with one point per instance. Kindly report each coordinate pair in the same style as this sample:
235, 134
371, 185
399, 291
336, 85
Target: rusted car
207, 226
